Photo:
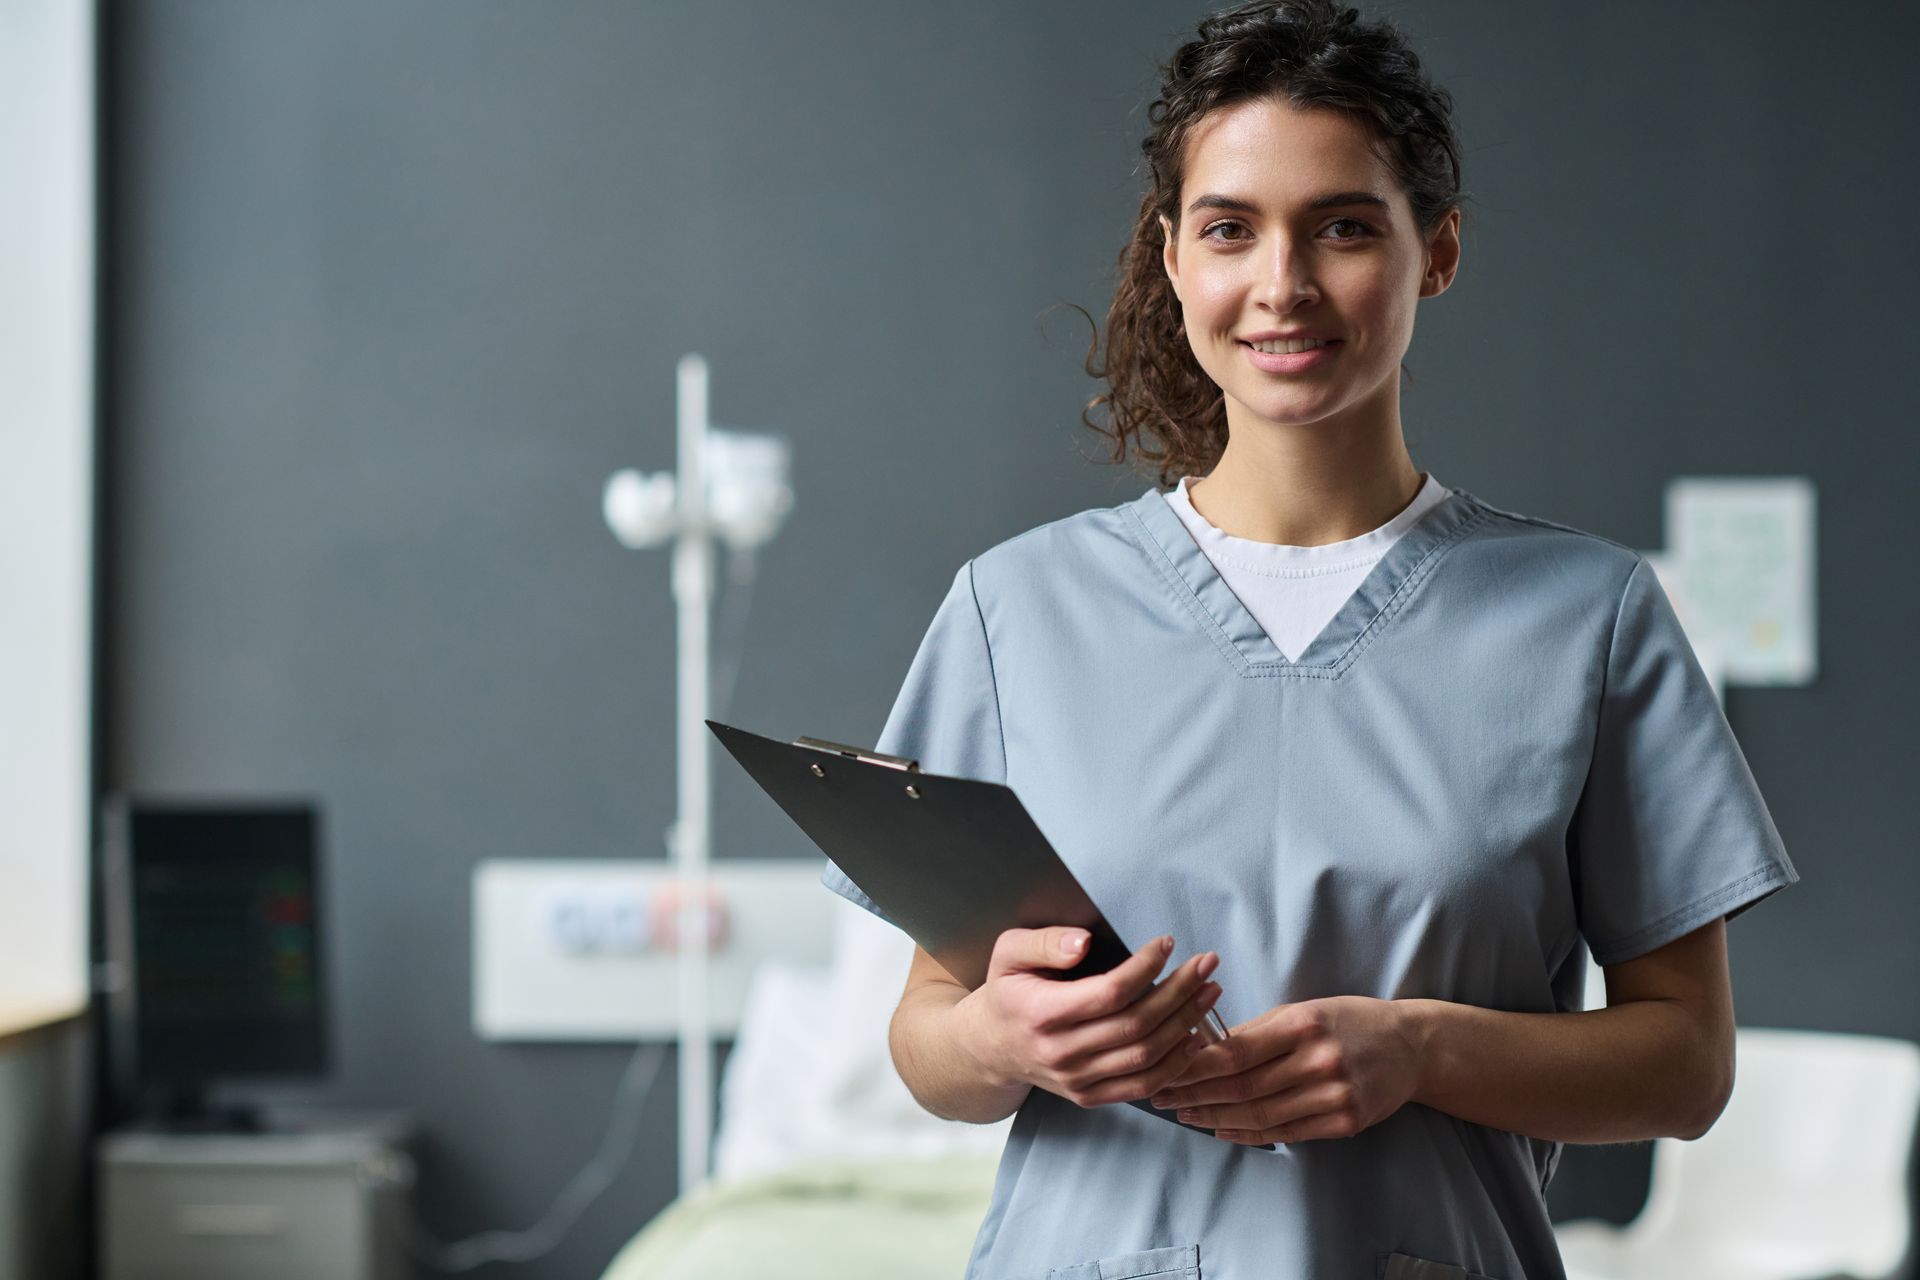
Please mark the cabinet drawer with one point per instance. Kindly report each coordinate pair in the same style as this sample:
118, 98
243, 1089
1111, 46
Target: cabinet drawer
214, 1223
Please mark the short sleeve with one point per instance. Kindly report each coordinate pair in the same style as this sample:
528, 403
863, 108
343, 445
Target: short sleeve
947, 714
1670, 832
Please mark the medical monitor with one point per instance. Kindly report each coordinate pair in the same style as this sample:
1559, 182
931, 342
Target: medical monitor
213, 936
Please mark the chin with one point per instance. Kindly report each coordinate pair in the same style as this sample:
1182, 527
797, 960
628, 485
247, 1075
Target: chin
1288, 411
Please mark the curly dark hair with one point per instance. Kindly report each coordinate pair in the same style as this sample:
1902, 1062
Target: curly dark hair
1309, 53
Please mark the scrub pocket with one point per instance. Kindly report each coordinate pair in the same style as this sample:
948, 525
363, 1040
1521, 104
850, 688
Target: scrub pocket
1404, 1266
1176, 1262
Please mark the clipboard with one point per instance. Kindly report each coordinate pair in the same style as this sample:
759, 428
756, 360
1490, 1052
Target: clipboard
951, 862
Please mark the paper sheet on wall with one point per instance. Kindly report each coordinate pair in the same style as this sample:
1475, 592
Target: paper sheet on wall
1742, 553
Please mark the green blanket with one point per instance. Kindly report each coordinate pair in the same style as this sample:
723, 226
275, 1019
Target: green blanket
904, 1219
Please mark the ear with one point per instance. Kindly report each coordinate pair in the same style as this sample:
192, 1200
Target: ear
1443, 256
1168, 259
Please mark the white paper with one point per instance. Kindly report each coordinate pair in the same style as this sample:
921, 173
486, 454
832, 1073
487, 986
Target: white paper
1742, 553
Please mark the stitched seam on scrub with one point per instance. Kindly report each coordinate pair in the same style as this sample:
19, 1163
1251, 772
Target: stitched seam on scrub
1281, 669
1371, 632
1549, 524
1183, 593
1578, 873
1185, 1263
1401, 594
993, 677
1704, 903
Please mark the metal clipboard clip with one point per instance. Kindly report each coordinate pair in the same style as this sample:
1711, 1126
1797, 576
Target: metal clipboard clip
844, 751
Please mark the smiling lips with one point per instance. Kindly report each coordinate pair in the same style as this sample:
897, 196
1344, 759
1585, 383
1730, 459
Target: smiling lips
1293, 356
1289, 346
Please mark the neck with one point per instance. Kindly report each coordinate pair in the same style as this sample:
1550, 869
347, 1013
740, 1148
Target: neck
1308, 484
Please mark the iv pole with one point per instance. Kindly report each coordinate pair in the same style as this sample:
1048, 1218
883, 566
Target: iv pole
692, 829
733, 485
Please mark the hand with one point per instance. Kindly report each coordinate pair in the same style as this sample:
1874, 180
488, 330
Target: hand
1325, 1068
1112, 1037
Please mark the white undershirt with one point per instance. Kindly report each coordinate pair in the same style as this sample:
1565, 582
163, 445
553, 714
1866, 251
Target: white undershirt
1293, 592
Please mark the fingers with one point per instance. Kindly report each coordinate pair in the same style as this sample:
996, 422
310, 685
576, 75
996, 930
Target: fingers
1139, 1019
1177, 991
1331, 1124
1055, 947
1118, 987
1309, 1111
1142, 1068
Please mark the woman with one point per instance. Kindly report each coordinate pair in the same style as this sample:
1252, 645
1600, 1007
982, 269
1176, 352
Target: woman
1391, 758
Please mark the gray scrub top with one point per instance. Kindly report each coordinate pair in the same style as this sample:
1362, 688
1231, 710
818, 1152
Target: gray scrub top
1500, 753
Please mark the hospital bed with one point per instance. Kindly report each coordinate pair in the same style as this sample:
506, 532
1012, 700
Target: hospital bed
824, 1165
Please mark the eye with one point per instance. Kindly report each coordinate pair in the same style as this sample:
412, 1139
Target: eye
1361, 230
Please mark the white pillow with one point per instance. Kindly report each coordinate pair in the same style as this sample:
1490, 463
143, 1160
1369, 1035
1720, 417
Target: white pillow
810, 1076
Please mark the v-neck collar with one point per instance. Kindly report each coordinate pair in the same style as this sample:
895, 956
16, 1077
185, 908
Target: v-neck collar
1364, 614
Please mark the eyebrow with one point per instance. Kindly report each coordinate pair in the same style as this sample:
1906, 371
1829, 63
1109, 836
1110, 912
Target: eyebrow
1328, 201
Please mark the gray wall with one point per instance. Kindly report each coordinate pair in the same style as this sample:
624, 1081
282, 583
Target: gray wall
392, 288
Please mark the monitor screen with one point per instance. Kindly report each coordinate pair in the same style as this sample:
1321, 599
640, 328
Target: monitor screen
219, 938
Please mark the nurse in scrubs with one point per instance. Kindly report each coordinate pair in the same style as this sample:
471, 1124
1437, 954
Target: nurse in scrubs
1384, 761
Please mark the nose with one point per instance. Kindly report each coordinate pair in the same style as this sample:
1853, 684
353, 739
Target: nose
1289, 278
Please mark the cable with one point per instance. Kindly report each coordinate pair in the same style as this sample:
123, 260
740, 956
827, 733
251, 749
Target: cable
585, 1187
731, 637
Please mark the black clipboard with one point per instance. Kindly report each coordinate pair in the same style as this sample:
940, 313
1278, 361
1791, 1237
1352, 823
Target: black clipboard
952, 862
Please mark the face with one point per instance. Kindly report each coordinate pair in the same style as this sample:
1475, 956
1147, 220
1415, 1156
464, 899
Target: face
1260, 255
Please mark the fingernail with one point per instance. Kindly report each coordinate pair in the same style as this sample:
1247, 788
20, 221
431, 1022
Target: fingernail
1208, 994
1188, 1115
1163, 1100
1166, 946
1207, 965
